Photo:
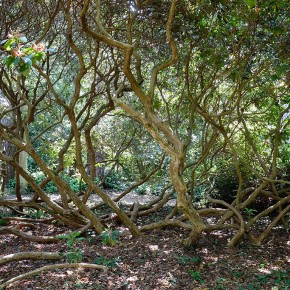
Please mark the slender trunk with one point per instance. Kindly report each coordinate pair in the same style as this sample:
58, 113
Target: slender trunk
23, 163
17, 184
3, 176
184, 203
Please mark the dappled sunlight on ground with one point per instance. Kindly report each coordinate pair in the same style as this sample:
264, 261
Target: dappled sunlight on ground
155, 261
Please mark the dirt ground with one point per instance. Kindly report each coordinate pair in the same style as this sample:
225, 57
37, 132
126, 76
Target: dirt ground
155, 260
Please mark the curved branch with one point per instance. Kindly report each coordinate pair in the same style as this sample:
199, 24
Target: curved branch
31, 256
174, 56
166, 223
21, 219
37, 239
241, 230
52, 267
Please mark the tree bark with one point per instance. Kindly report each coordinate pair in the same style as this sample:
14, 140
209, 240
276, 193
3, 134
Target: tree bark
52, 267
31, 256
184, 203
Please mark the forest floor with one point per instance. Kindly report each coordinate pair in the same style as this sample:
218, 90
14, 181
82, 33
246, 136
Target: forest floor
155, 260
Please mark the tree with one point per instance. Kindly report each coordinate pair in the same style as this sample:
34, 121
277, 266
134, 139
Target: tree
207, 81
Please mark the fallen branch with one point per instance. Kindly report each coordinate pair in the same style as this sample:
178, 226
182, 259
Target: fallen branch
31, 256
52, 267
13, 231
165, 223
25, 225
21, 219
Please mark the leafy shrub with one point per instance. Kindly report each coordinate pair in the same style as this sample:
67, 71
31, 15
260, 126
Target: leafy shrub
39, 177
115, 181
11, 183
109, 237
226, 184
110, 263
196, 276
191, 260
143, 189
37, 214
75, 255
50, 187
74, 183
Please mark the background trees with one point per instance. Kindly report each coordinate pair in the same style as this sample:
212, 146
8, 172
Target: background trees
188, 101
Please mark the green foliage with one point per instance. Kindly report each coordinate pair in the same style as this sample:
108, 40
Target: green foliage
251, 3
109, 237
232, 67
74, 183
226, 183
3, 222
238, 274
250, 212
200, 195
196, 276
79, 285
37, 214
19, 55
110, 263
75, 255
50, 187
115, 181
278, 279
11, 183
143, 189
189, 260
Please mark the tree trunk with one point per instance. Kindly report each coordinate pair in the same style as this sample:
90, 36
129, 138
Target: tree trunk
23, 163
9, 149
184, 203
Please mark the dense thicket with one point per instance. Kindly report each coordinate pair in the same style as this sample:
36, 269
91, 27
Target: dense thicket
184, 100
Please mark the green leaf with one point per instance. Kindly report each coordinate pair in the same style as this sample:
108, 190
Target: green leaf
115, 234
31, 56
3, 222
26, 72
70, 257
39, 55
10, 61
22, 39
24, 69
17, 61
251, 3
3, 41
28, 50
27, 61
9, 43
